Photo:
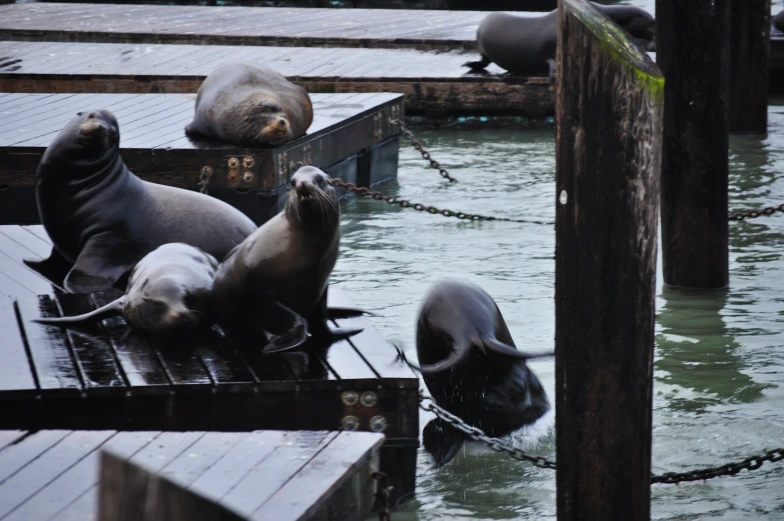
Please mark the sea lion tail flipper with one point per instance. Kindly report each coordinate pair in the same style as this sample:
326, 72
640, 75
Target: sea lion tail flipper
481, 64
346, 312
442, 441
296, 333
102, 261
54, 268
112, 308
491, 344
341, 333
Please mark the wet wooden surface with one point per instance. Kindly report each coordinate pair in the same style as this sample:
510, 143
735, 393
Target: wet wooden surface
153, 124
433, 82
54, 474
396, 28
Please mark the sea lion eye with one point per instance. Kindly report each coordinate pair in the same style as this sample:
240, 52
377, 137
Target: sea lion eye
293, 183
79, 113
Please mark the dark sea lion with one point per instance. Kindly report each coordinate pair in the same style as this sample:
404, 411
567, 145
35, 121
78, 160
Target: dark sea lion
168, 291
778, 21
103, 219
275, 282
523, 44
250, 106
472, 368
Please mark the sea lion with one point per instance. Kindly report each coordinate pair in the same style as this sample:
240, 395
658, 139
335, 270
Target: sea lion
472, 368
523, 44
168, 291
275, 282
250, 106
778, 21
103, 219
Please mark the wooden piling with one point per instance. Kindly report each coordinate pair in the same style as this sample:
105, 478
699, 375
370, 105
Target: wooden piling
749, 65
609, 106
693, 53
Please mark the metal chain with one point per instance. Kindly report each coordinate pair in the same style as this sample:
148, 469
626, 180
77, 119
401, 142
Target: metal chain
204, 179
382, 495
378, 196
425, 154
476, 434
753, 214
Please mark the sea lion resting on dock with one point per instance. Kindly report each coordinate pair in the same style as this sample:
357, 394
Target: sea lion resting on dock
472, 368
250, 106
168, 291
526, 44
275, 282
103, 219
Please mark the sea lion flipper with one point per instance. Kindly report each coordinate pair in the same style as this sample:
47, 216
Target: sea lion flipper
457, 356
112, 308
481, 64
102, 261
295, 332
346, 312
491, 344
54, 268
442, 441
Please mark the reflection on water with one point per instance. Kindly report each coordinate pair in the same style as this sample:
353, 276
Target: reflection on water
719, 360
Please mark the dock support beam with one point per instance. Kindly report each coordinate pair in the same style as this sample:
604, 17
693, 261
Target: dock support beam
749, 65
609, 107
692, 47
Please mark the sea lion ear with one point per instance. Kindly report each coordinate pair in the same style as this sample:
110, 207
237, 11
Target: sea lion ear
102, 261
499, 348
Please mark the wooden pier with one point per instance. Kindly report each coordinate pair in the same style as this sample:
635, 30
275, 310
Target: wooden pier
285, 476
433, 83
104, 377
352, 137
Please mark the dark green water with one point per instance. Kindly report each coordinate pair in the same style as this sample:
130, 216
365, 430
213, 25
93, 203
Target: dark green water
719, 360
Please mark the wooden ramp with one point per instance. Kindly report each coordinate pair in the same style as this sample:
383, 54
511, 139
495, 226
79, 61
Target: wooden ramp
434, 83
291, 26
104, 377
346, 128
263, 475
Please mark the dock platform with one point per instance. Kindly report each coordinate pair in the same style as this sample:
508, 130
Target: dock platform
352, 137
105, 377
285, 476
434, 83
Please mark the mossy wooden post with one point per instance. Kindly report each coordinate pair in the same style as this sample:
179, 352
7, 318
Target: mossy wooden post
609, 107
692, 50
749, 65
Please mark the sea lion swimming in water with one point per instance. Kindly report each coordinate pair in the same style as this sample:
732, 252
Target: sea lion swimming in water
524, 44
275, 282
472, 368
250, 106
168, 291
103, 219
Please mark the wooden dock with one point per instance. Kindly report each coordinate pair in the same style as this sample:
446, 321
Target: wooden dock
434, 83
351, 137
103, 377
285, 476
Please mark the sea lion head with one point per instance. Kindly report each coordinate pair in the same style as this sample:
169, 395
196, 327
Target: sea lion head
263, 121
312, 200
167, 305
89, 140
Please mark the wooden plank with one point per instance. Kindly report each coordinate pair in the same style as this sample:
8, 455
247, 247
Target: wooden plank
71, 484
203, 454
48, 347
342, 467
36, 475
37, 247
10, 437
397, 28
14, 458
16, 376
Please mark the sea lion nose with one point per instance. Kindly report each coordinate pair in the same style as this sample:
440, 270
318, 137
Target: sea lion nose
282, 123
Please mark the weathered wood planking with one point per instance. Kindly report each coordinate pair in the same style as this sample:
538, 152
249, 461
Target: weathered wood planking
154, 146
433, 83
398, 28
60, 475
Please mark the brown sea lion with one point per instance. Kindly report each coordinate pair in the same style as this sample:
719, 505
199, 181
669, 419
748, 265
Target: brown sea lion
168, 291
250, 106
524, 44
275, 282
472, 368
103, 219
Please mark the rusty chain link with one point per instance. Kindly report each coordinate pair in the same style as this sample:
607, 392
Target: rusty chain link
378, 196
382, 495
753, 214
669, 478
425, 154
